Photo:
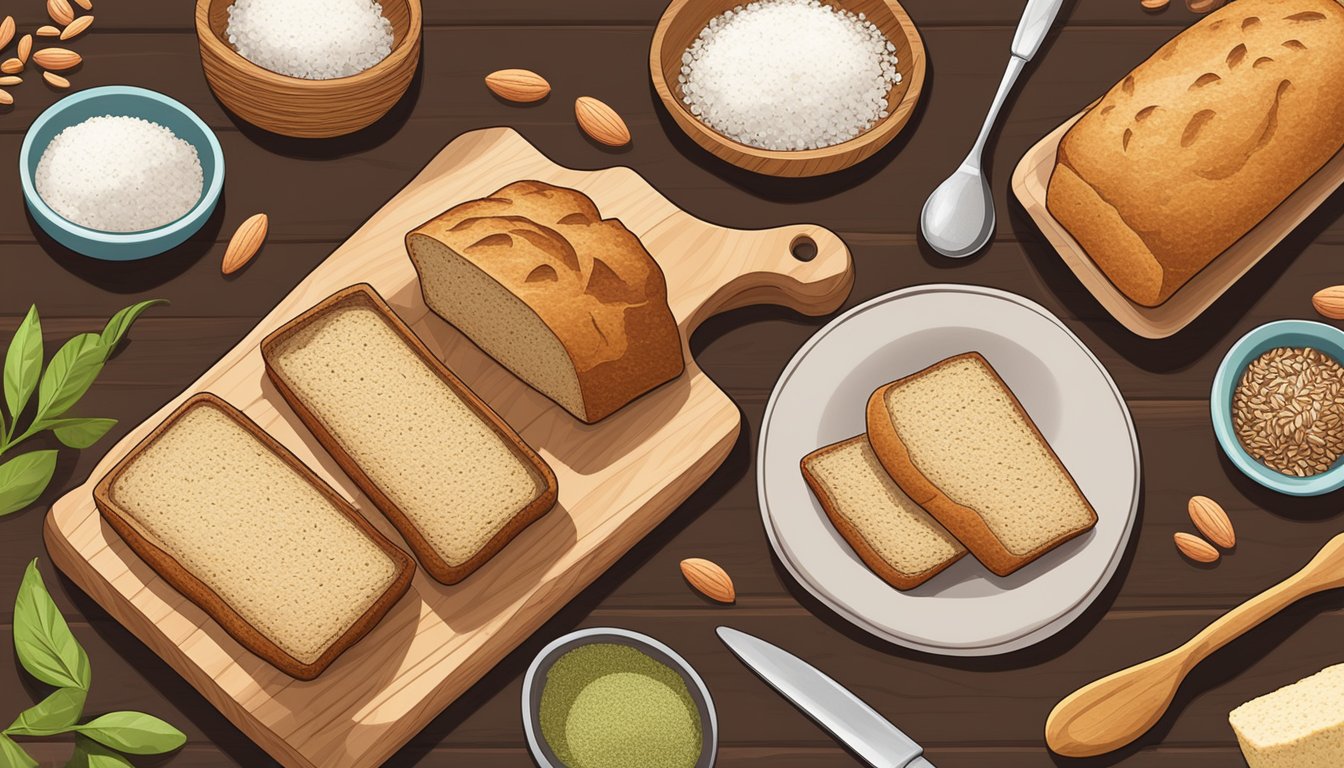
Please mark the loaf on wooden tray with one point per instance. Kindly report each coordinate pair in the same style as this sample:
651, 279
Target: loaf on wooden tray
1200, 143
1300, 726
570, 302
456, 480
244, 530
959, 443
892, 534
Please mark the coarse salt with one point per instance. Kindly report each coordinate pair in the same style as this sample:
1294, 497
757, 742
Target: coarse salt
789, 74
311, 39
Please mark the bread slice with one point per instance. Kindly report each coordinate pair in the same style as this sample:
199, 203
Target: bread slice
570, 302
456, 480
1300, 726
956, 439
891, 533
244, 530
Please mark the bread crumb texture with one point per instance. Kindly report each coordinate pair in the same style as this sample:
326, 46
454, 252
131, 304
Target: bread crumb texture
448, 471
1300, 726
897, 528
966, 435
254, 531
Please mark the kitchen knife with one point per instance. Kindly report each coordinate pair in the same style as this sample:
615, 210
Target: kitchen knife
857, 725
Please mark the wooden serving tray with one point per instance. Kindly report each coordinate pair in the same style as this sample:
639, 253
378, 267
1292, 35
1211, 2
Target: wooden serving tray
1031, 180
618, 479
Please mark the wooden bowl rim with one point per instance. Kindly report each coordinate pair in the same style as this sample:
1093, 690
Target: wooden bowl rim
209, 39
880, 134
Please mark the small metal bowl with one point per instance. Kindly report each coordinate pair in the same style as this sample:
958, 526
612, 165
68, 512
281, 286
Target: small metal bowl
535, 682
1284, 333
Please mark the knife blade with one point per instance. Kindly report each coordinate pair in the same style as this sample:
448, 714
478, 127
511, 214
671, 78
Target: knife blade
844, 715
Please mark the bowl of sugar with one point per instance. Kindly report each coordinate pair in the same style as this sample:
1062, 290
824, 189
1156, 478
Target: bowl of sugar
120, 173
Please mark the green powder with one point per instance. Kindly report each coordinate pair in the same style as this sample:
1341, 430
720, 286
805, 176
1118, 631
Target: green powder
611, 706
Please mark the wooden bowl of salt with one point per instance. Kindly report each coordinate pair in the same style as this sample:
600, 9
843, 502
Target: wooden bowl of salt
682, 23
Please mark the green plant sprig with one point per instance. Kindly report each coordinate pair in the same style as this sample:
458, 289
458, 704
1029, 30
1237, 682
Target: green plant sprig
68, 376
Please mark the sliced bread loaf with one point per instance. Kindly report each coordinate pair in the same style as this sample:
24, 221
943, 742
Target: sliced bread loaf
892, 534
244, 530
1300, 726
956, 439
456, 480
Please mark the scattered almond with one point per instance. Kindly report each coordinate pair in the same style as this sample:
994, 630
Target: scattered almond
46, 30
25, 48
1155, 5
709, 580
8, 80
57, 59
1204, 6
55, 80
85, 4
1329, 302
245, 243
520, 85
7, 30
601, 122
11, 67
1209, 517
1196, 548
77, 27
60, 11
5, 98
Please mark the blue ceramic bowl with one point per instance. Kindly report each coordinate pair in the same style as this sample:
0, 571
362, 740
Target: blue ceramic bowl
1284, 333
121, 100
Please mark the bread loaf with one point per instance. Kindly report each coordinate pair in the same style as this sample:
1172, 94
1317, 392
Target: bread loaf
1300, 726
568, 301
1200, 143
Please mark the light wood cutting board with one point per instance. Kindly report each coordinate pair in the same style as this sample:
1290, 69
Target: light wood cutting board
618, 479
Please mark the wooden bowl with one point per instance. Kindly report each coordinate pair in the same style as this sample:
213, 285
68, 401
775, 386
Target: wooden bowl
309, 109
681, 24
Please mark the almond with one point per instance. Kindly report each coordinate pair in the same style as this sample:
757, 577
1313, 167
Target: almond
1154, 5
57, 59
601, 122
1209, 517
11, 67
85, 4
1196, 548
8, 80
5, 98
77, 27
55, 80
60, 11
709, 580
46, 30
245, 243
7, 29
1204, 6
520, 85
25, 48
1330, 302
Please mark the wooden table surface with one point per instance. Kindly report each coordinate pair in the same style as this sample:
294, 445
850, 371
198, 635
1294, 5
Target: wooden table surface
966, 712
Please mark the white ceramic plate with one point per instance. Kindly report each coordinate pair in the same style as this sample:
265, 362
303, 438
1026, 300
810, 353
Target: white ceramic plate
966, 610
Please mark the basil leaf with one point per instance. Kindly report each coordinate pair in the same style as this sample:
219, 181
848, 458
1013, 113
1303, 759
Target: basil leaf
43, 641
23, 364
54, 714
13, 756
121, 323
91, 754
69, 375
134, 733
80, 433
24, 478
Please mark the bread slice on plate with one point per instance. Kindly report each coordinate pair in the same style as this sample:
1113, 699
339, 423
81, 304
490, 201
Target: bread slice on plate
959, 443
1300, 726
456, 480
570, 302
892, 534
243, 529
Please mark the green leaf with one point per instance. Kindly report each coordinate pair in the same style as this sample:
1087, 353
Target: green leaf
69, 375
134, 733
121, 323
91, 754
13, 756
24, 478
42, 639
23, 364
54, 714
80, 433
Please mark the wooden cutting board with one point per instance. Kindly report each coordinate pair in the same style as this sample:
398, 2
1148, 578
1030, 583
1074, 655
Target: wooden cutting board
618, 479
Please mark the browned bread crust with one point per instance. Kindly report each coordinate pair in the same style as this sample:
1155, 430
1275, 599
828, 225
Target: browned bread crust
433, 563
208, 600
1199, 144
963, 522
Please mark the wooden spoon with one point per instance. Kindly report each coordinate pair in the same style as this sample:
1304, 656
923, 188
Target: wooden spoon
1116, 710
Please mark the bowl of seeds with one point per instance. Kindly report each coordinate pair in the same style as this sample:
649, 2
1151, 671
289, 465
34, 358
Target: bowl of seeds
788, 88
1278, 407
309, 68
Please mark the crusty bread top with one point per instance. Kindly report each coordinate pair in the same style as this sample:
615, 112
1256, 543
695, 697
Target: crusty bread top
1304, 708
254, 531
1203, 140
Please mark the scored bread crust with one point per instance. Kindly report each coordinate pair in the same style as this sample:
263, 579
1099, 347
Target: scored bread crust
433, 563
897, 578
211, 602
963, 522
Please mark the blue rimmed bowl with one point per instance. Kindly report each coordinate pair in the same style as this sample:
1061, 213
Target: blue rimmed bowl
1284, 333
122, 100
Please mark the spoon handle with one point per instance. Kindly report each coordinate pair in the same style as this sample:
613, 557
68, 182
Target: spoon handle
1036, 22
1015, 66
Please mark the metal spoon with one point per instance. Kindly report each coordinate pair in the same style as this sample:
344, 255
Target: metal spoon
958, 218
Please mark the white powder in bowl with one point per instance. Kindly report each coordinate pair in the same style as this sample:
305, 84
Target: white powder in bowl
120, 174
311, 39
789, 74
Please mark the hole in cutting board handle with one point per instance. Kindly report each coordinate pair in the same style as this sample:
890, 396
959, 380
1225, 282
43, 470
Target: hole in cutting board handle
803, 248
